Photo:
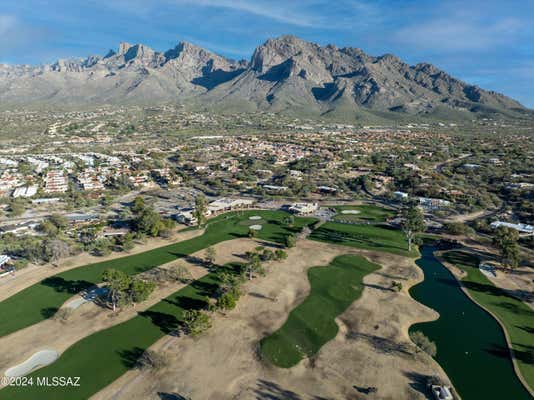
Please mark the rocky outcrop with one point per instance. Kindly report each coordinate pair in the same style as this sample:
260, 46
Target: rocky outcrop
284, 74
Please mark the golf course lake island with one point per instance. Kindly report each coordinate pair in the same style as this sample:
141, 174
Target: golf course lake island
471, 345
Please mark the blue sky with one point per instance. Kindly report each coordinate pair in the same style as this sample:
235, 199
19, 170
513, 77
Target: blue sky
486, 42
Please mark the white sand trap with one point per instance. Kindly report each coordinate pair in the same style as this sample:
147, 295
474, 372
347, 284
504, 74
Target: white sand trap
87, 297
254, 217
488, 270
350, 212
255, 227
39, 359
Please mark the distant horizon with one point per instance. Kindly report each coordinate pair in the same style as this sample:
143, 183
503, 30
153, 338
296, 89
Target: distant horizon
485, 43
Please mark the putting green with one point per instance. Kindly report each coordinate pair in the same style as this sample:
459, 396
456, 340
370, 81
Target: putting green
516, 316
362, 213
42, 300
312, 323
371, 237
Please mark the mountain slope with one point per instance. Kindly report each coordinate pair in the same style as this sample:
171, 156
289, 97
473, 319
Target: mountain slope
286, 74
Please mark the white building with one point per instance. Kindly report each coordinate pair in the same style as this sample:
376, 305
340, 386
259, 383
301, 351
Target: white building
275, 188
523, 228
25, 191
433, 204
401, 195
227, 204
303, 208
4, 259
186, 216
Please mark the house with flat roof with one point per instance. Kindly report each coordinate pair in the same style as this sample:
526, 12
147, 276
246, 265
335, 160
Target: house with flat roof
303, 208
228, 204
522, 228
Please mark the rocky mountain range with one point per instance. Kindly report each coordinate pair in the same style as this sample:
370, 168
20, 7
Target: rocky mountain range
285, 74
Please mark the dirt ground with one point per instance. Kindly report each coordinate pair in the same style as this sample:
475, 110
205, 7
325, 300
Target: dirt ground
372, 348
9, 285
89, 318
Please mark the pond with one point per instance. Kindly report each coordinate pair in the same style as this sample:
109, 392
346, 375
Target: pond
469, 341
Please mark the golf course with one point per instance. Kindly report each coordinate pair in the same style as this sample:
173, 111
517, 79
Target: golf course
102, 357
42, 300
362, 213
333, 288
370, 237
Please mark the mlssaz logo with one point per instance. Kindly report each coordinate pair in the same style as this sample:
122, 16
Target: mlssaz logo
59, 381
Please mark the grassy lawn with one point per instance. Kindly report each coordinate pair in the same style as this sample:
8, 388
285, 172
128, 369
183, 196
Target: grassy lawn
371, 237
516, 316
312, 323
104, 356
366, 213
42, 300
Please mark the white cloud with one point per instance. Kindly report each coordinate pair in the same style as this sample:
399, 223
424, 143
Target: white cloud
458, 33
276, 11
7, 23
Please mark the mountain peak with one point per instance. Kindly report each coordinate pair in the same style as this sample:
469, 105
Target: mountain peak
123, 48
284, 73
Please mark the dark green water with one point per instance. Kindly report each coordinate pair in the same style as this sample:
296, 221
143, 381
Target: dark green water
468, 339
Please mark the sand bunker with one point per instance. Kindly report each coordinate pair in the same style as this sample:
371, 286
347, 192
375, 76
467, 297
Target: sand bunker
87, 297
350, 212
255, 227
39, 359
255, 217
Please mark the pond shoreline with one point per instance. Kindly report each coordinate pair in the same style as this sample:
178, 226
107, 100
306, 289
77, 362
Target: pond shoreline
453, 271
470, 340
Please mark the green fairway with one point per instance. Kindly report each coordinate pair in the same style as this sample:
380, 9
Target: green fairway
104, 356
366, 213
312, 323
371, 237
42, 300
516, 316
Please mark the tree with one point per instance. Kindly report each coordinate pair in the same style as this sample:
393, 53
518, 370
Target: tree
289, 220
227, 301
201, 207
290, 241
149, 222
210, 255
48, 228
117, 284
102, 246
280, 254
180, 273
396, 286
458, 228
138, 205
127, 242
56, 250
230, 282
59, 221
423, 343
196, 322
152, 360
139, 290
16, 208
252, 233
254, 265
506, 241
412, 223
267, 255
